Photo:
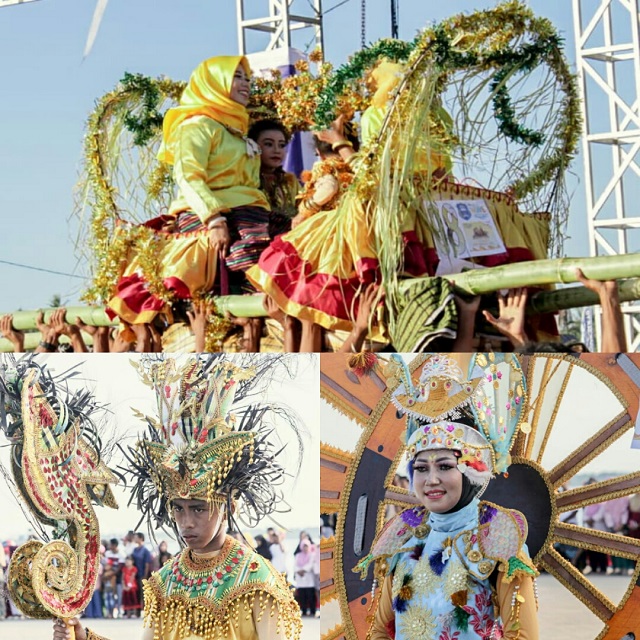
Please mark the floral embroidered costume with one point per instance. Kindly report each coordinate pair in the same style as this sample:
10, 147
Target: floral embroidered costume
197, 449
463, 574
217, 170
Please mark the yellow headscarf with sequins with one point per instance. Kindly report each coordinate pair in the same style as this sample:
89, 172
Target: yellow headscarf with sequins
207, 94
386, 76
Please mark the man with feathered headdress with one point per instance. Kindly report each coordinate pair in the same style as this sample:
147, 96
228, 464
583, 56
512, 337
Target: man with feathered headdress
200, 467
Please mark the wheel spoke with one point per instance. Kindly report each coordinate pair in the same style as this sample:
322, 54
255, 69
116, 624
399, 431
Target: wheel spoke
577, 584
537, 404
395, 497
581, 456
334, 464
327, 585
552, 420
343, 398
598, 492
610, 543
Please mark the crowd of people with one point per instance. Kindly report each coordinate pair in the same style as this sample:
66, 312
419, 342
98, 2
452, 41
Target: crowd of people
302, 568
127, 561
512, 328
619, 517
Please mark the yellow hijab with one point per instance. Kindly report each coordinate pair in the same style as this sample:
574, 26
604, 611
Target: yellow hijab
387, 75
207, 94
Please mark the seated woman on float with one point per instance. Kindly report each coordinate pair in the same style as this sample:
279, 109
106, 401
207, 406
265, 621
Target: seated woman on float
318, 271
220, 211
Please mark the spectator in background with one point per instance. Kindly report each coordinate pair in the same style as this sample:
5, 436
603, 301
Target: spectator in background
633, 523
277, 550
316, 577
594, 517
303, 578
303, 536
326, 530
262, 547
94, 609
616, 517
130, 594
109, 589
163, 553
115, 561
128, 544
142, 560
569, 552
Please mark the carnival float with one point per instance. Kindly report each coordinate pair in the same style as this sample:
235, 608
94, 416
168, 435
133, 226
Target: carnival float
490, 93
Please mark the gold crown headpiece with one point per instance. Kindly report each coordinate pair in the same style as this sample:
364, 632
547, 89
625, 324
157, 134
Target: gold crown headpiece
206, 441
494, 393
196, 444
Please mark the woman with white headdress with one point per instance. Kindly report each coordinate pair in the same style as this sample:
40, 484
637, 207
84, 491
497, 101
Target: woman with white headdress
455, 567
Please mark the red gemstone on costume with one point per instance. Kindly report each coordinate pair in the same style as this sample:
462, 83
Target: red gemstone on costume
235, 560
209, 579
228, 568
199, 581
219, 575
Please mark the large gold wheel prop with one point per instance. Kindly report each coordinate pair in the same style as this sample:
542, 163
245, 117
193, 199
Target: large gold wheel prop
581, 412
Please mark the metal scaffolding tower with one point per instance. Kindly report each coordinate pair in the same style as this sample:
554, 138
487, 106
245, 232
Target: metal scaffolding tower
607, 35
280, 24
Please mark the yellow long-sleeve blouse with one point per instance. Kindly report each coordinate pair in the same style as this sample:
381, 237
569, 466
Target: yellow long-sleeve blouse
213, 170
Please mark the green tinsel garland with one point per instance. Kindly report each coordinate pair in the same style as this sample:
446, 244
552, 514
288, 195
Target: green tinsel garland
438, 44
149, 120
440, 48
396, 50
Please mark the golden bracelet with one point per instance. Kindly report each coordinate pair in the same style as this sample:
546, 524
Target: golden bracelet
336, 146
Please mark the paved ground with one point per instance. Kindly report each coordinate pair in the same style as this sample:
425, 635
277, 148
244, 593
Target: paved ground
15, 629
562, 616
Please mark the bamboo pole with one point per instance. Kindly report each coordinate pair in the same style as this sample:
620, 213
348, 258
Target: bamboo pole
520, 274
539, 272
572, 297
96, 316
241, 306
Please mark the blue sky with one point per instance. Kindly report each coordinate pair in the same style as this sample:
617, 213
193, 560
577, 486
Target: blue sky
47, 92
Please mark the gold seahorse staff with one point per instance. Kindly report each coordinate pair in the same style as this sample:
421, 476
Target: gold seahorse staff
59, 473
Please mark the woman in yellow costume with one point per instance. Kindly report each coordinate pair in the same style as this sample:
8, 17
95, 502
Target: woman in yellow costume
220, 211
199, 468
318, 270
280, 186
